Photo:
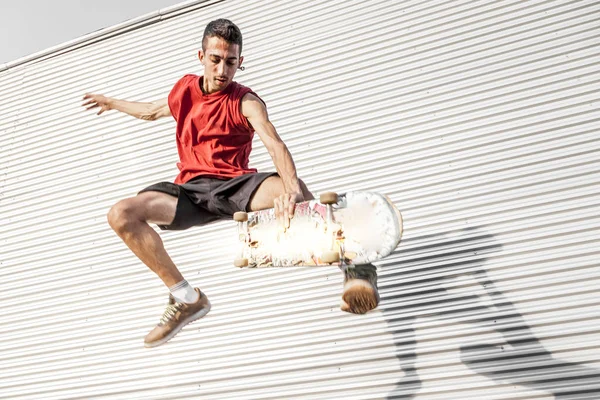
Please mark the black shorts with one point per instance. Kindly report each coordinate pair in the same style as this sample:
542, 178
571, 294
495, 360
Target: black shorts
203, 200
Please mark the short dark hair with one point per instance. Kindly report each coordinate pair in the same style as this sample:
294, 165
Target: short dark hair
225, 29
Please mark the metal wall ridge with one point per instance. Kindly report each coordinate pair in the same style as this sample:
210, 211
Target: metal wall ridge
478, 120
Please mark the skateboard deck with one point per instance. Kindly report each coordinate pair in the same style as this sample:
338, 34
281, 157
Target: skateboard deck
352, 228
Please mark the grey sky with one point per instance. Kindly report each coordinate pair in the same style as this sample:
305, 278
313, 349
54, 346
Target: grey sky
29, 26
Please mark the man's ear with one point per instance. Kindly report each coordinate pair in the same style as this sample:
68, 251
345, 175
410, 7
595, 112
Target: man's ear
201, 56
240, 64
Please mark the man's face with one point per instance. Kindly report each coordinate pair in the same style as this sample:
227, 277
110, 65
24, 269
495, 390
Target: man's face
221, 60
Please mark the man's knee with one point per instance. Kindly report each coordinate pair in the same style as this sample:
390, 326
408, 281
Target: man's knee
122, 216
147, 207
271, 188
305, 192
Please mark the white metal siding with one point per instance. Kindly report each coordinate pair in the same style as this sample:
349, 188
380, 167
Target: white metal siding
478, 118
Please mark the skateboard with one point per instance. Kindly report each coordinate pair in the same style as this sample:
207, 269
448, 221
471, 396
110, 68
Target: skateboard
346, 229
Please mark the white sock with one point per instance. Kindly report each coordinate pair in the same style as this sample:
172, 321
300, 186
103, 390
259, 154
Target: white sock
183, 292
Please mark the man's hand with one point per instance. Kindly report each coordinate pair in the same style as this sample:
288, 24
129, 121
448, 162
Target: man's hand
284, 207
95, 101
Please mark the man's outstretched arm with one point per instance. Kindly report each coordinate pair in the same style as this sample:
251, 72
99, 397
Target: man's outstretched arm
146, 111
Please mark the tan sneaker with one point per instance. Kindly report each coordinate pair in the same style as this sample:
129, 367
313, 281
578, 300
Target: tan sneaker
360, 289
175, 317
359, 297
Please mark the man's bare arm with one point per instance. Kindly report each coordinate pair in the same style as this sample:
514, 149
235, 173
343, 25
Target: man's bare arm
256, 112
146, 111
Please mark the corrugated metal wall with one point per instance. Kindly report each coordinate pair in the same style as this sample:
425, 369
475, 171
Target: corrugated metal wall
480, 120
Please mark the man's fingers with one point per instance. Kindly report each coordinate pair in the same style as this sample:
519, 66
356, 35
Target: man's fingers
277, 206
281, 211
291, 206
286, 217
92, 106
284, 209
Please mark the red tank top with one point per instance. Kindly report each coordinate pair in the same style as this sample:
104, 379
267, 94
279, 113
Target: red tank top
214, 139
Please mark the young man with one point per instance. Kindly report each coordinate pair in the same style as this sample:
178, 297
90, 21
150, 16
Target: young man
216, 120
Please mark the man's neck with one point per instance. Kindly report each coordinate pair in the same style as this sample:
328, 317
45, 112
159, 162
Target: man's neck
204, 87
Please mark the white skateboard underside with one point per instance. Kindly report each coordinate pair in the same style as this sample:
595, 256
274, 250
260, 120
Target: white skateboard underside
366, 227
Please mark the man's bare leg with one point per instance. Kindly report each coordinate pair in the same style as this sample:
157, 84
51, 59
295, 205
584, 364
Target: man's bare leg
271, 188
360, 284
130, 220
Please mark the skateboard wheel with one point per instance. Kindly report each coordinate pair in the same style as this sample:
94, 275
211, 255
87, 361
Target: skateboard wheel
330, 257
328, 198
240, 262
240, 216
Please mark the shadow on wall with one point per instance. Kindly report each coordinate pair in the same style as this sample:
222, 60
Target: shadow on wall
423, 289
